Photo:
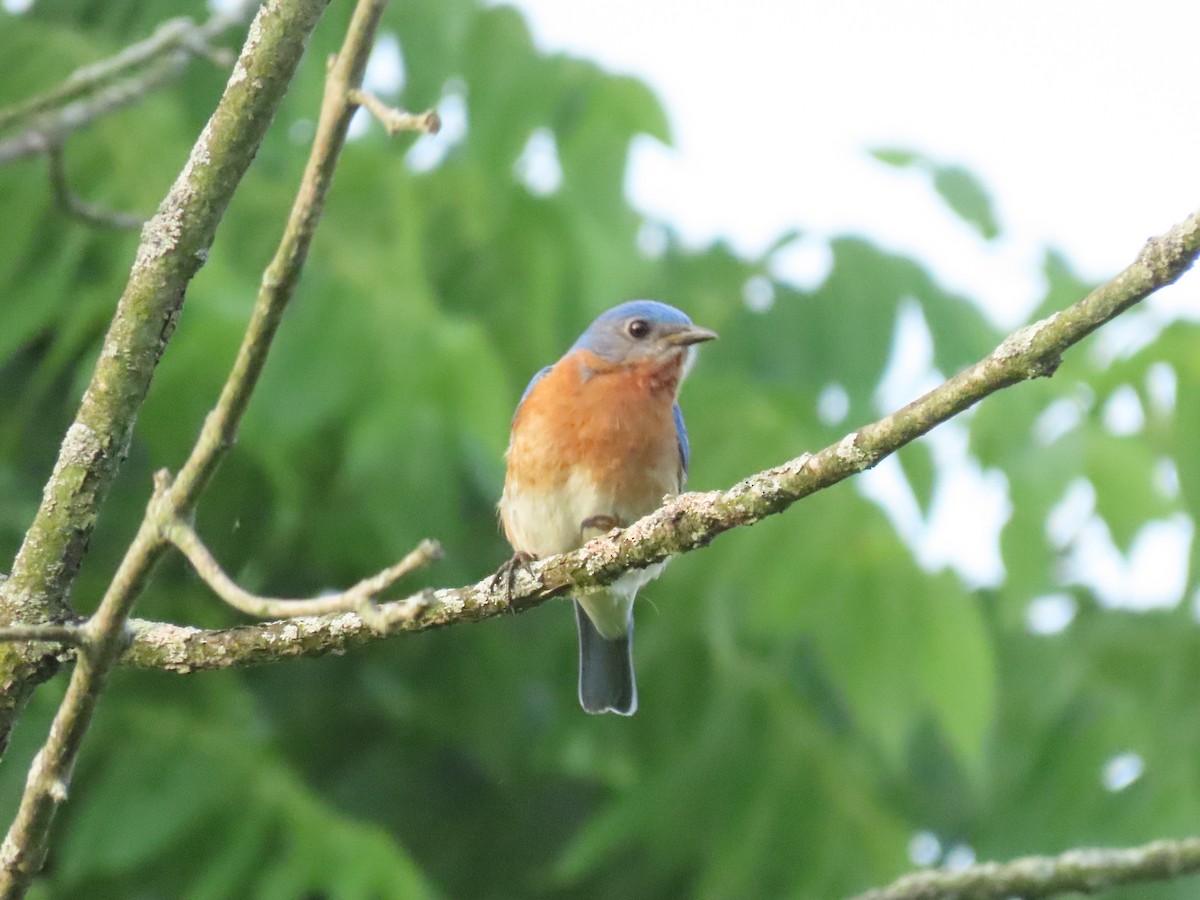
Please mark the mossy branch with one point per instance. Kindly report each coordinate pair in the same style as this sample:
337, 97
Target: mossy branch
1074, 872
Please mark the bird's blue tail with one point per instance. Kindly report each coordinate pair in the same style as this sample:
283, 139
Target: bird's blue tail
605, 669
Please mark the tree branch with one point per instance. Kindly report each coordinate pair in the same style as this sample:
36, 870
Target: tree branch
174, 244
70, 203
100, 88
397, 120
67, 635
359, 598
691, 520
1076, 871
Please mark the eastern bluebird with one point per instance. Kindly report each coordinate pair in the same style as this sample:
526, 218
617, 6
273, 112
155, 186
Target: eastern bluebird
597, 442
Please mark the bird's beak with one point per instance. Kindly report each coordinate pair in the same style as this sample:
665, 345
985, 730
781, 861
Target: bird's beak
688, 335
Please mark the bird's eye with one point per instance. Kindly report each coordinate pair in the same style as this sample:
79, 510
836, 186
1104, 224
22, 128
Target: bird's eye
638, 328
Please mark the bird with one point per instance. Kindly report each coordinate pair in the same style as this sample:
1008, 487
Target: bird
597, 441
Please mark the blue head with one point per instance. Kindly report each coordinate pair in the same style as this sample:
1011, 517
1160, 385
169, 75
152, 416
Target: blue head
641, 329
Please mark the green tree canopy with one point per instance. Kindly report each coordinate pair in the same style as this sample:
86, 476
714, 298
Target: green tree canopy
811, 696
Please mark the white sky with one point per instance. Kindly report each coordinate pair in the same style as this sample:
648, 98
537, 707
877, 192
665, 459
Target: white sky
1082, 117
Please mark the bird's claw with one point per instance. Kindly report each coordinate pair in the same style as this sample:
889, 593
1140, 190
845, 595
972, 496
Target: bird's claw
508, 572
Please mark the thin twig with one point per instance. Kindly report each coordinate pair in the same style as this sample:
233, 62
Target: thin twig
67, 635
359, 598
174, 243
167, 36
53, 127
397, 120
692, 520
100, 88
71, 204
1076, 871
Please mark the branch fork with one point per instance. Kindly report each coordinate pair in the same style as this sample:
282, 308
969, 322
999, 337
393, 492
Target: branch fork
100, 88
359, 599
394, 120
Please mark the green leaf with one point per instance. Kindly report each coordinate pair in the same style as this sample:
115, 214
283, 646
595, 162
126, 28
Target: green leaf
1123, 469
958, 187
186, 779
964, 194
917, 462
896, 157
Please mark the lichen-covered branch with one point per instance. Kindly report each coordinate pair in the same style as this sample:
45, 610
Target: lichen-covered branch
106, 633
690, 520
174, 245
100, 88
1074, 872
360, 598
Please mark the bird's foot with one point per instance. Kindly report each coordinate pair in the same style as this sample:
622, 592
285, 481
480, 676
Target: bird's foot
507, 574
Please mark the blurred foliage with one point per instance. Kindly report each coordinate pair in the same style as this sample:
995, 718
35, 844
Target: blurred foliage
958, 187
811, 696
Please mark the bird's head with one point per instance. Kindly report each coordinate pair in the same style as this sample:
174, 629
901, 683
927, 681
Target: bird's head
643, 330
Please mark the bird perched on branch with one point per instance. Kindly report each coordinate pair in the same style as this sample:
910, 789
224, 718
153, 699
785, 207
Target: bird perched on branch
597, 441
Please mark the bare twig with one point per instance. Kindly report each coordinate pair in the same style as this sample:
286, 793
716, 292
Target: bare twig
1076, 871
67, 635
100, 88
53, 127
170, 35
397, 120
359, 598
693, 520
173, 246
69, 203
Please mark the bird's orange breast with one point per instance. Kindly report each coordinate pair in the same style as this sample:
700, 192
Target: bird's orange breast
612, 423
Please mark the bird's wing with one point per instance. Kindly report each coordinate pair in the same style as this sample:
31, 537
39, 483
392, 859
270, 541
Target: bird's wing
538, 376
684, 450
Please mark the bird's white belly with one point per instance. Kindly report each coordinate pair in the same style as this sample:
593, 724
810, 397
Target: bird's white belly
545, 522
548, 521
